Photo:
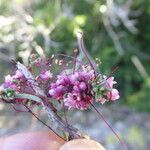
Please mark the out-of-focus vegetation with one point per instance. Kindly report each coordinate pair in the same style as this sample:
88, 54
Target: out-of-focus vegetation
116, 31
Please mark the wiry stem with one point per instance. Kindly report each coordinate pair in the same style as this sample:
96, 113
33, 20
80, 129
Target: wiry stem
30, 111
82, 48
75, 59
103, 118
4, 100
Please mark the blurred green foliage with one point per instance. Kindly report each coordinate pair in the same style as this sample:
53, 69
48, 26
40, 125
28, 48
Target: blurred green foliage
50, 26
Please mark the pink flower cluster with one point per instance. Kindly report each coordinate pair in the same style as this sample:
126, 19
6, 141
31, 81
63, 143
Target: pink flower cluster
74, 89
11, 81
77, 89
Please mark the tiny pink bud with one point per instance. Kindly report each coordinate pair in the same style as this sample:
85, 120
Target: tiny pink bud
82, 86
18, 74
102, 100
76, 88
8, 78
113, 95
52, 92
74, 77
110, 82
46, 75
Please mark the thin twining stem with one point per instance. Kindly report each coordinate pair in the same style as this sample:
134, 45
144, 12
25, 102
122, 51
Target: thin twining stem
75, 59
82, 48
103, 118
30, 111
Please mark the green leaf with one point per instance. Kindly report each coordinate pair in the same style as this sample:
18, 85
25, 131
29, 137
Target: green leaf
9, 93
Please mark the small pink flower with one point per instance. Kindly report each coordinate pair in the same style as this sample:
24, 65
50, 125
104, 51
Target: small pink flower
110, 93
102, 100
82, 86
17, 75
63, 79
8, 79
57, 92
1, 87
110, 82
74, 77
113, 95
9, 83
74, 100
45, 75
76, 88
61, 89
52, 92
84, 75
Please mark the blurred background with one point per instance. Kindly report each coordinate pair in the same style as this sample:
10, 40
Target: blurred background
115, 31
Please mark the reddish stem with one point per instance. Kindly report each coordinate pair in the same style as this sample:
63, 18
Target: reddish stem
81, 45
103, 118
75, 59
